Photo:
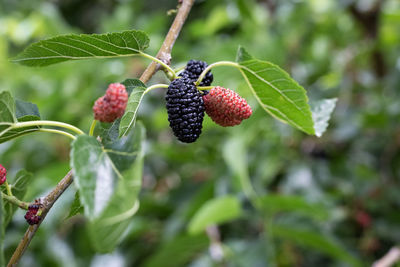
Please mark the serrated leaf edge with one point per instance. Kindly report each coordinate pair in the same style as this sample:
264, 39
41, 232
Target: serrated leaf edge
276, 89
18, 60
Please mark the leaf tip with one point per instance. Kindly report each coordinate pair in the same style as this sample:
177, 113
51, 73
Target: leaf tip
242, 54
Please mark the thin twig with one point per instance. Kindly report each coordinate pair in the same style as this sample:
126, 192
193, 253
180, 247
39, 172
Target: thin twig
392, 257
163, 54
15, 201
47, 203
216, 250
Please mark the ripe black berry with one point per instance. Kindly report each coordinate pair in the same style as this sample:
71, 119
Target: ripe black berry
185, 109
193, 70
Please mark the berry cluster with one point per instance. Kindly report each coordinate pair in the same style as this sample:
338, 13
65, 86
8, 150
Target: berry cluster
193, 70
185, 109
225, 107
31, 215
186, 105
112, 105
3, 174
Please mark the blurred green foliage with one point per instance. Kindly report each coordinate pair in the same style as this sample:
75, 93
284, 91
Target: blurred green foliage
330, 201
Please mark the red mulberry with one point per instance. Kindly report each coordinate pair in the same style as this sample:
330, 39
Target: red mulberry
112, 105
225, 107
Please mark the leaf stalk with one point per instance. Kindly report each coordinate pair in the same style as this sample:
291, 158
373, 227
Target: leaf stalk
216, 64
15, 201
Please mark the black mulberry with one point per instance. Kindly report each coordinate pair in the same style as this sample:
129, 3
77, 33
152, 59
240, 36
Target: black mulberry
185, 109
193, 70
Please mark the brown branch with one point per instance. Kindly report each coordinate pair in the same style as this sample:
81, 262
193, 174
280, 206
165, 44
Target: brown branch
389, 259
163, 54
47, 203
216, 250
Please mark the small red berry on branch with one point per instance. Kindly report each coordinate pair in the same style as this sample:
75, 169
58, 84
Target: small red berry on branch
112, 105
225, 107
31, 215
3, 174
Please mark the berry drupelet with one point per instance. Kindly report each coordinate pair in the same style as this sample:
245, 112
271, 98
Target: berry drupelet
185, 109
31, 215
225, 107
193, 70
112, 105
3, 174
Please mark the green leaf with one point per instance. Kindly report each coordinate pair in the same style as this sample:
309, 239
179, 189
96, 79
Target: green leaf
108, 180
7, 108
83, 46
76, 207
19, 187
277, 92
2, 230
109, 131
235, 156
95, 177
278, 203
26, 111
243, 55
315, 241
178, 252
136, 89
107, 231
215, 211
12, 111
321, 113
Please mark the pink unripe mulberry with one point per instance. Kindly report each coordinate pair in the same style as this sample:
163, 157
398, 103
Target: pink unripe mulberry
225, 107
3, 174
112, 105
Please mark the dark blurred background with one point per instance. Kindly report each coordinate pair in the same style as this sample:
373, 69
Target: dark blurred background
347, 182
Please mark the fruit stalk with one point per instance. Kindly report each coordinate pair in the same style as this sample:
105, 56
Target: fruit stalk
15, 201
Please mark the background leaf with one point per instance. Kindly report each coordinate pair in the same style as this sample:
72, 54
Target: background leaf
235, 155
178, 251
83, 46
136, 89
274, 203
215, 211
19, 187
321, 113
316, 241
277, 92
